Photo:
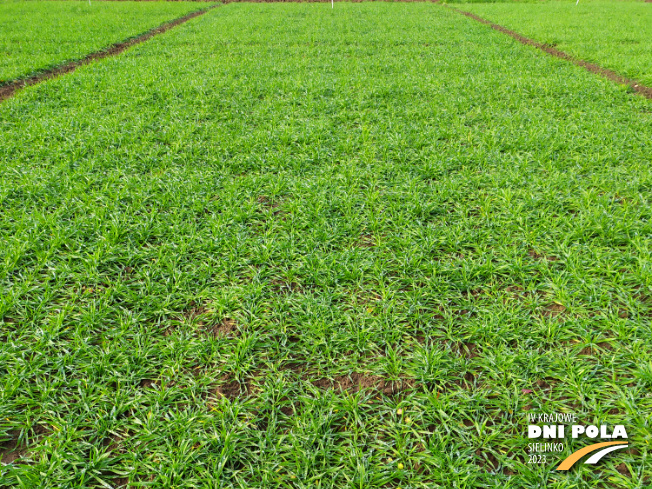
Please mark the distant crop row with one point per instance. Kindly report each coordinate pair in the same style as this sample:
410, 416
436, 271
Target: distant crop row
615, 35
37, 35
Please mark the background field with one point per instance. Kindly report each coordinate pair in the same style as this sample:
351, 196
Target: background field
615, 35
201, 236
37, 35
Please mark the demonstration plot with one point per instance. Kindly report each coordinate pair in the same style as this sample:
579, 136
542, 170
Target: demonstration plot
285, 245
614, 35
37, 35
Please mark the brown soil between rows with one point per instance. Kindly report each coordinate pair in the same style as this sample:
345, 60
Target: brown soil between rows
356, 382
231, 389
591, 67
10, 449
8, 90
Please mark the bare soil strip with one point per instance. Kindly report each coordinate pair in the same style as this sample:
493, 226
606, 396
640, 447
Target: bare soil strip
593, 68
7, 91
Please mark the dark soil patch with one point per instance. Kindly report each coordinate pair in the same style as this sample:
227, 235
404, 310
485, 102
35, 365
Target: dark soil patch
515, 290
228, 327
194, 311
594, 350
472, 294
622, 468
8, 90
121, 482
231, 389
469, 380
546, 384
356, 382
267, 203
593, 68
111, 442
538, 256
366, 241
466, 349
287, 410
553, 310
148, 383
10, 450
487, 460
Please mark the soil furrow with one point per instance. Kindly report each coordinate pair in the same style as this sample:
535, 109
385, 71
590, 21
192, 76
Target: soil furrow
591, 67
8, 90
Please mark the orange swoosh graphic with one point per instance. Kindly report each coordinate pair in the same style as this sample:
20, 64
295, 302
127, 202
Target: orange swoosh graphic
575, 456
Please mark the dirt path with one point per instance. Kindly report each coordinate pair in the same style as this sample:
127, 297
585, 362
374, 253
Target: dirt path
593, 68
7, 91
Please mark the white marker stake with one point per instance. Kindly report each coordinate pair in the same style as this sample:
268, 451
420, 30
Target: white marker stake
333, 3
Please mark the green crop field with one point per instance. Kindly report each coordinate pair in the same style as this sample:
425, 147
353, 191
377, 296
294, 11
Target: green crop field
290, 246
37, 35
614, 34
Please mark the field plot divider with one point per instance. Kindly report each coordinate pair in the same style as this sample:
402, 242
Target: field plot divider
591, 67
8, 90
